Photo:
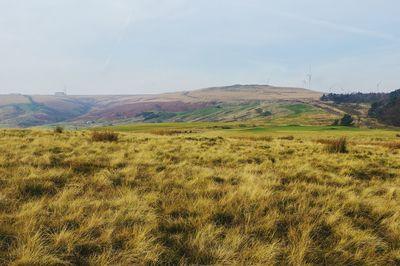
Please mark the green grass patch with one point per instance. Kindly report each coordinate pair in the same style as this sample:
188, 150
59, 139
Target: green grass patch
300, 108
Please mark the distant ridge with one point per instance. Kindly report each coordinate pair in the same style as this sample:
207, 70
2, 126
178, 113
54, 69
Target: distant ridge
253, 92
19, 110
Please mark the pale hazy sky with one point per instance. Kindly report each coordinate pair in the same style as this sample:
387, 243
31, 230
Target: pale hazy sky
151, 46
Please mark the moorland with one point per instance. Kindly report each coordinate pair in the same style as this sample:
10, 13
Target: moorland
200, 193
237, 175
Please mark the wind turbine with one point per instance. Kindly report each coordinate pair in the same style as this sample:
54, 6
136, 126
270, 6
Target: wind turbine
332, 88
309, 77
378, 86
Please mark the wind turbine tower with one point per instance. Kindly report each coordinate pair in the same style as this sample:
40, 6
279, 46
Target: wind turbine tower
309, 77
378, 86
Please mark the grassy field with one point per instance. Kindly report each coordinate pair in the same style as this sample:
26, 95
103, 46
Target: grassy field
200, 194
255, 128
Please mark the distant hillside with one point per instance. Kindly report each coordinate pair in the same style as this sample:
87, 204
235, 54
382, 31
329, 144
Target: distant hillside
355, 97
27, 111
248, 92
384, 107
387, 110
217, 104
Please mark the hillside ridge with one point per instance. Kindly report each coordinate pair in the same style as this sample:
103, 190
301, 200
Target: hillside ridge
19, 110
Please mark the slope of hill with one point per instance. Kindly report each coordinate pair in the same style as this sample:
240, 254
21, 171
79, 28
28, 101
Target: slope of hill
247, 93
380, 109
211, 104
26, 110
388, 110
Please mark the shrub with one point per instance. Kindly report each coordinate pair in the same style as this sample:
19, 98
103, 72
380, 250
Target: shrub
104, 136
261, 112
398, 135
337, 146
266, 113
58, 129
172, 132
258, 110
347, 120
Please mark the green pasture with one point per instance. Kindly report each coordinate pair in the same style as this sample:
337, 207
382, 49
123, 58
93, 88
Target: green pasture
253, 129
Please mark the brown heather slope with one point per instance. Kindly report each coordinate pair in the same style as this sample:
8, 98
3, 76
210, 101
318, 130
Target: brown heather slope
135, 108
223, 94
252, 92
131, 105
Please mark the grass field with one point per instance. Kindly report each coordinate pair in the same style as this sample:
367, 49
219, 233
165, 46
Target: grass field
200, 194
254, 128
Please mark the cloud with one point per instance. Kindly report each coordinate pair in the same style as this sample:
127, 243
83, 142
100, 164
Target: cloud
118, 41
147, 46
338, 26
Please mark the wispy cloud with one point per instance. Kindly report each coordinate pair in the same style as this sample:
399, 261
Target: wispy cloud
118, 41
338, 26
175, 44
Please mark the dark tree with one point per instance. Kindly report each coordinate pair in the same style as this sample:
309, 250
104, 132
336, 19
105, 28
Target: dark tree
347, 120
259, 110
354, 97
387, 111
266, 113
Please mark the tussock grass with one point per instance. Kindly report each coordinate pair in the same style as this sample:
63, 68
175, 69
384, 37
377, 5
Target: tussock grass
58, 129
195, 200
387, 144
335, 145
287, 138
104, 136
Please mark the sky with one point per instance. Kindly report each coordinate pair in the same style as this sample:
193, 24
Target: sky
154, 46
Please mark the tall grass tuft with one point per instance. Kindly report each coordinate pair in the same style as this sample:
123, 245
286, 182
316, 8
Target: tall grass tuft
287, 137
337, 146
106, 136
58, 129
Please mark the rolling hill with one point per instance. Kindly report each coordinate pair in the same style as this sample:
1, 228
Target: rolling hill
230, 103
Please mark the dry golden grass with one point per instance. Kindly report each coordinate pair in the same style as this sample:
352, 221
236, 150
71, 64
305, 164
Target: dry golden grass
182, 200
388, 144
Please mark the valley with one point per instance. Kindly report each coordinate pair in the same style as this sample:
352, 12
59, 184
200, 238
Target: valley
238, 102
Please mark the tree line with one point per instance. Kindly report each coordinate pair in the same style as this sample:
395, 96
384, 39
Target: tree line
385, 107
355, 97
